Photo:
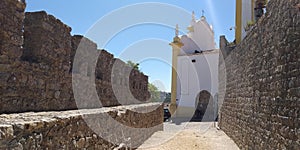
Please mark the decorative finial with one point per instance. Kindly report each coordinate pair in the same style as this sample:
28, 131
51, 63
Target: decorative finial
177, 30
176, 39
203, 17
193, 16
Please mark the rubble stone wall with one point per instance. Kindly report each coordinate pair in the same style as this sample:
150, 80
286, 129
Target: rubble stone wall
37, 75
261, 82
47, 40
11, 24
81, 129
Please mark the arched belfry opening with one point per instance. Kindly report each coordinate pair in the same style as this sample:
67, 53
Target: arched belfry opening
204, 107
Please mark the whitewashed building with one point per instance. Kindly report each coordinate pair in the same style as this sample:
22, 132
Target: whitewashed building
195, 72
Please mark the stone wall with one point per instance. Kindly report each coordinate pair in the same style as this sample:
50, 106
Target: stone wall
11, 24
47, 41
38, 75
48, 71
123, 84
103, 128
260, 82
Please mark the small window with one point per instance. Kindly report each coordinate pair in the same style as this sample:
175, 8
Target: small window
194, 60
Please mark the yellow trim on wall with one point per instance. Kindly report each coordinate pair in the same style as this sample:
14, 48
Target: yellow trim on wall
176, 46
238, 21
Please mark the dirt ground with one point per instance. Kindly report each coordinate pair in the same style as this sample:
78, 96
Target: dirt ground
189, 136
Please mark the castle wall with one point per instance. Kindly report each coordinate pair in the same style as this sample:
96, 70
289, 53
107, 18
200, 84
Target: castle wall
37, 75
52, 74
259, 81
47, 41
11, 24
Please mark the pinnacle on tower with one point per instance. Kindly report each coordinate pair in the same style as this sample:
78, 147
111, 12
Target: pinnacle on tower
193, 16
176, 30
203, 17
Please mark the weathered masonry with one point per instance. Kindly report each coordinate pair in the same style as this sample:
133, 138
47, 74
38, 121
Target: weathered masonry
259, 81
39, 107
36, 59
80, 129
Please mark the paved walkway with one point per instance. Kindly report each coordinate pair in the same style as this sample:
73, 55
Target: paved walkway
189, 136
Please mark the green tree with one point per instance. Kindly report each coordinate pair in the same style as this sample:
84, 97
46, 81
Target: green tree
133, 65
155, 94
168, 98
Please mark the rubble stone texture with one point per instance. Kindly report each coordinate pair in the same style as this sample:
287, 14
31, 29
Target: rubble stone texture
47, 40
261, 82
11, 24
38, 76
81, 129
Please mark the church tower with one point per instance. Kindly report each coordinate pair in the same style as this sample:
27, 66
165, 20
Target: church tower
194, 69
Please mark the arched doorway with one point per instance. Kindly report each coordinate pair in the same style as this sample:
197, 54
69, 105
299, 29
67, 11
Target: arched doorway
202, 103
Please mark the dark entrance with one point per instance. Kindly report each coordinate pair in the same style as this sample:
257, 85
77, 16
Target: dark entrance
202, 101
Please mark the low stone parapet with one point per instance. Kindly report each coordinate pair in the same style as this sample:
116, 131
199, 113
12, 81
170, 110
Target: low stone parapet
103, 128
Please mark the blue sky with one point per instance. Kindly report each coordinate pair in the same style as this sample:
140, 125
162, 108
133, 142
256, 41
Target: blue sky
145, 43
